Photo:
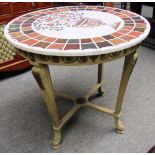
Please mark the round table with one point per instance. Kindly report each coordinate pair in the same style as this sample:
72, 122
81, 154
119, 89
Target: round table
73, 36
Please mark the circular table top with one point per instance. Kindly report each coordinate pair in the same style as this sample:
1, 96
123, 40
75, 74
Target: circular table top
77, 30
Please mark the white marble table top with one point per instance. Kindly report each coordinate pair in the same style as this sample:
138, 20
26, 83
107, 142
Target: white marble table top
77, 30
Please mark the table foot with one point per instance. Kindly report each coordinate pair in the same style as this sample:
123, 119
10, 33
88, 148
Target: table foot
119, 126
55, 147
56, 139
120, 131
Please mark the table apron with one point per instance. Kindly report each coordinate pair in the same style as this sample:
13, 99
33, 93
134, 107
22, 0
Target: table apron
35, 59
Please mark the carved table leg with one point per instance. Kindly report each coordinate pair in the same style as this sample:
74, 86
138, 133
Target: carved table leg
100, 78
43, 78
129, 64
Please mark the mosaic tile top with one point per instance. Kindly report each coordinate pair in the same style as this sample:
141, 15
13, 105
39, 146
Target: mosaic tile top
77, 30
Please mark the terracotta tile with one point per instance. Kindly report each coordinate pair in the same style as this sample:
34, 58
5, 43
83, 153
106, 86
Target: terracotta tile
72, 46
42, 44
128, 13
126, 18
49, 39
127, 37
139, 21
117, 34
61, 41
117, 41
26, 25
50, 12
34, 34
98, 39
135, 33
103, 44
22, 38
111, 11
40, 37
128, 27
86, 40
16, 34
131, 14
124, 31
122, 16
141, 25
30, 42
56, 46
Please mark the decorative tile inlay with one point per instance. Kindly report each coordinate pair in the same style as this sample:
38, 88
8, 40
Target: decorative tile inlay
117, 41
103, 44
127, 37
88, 46
73, 41
98, 39
56, 46
72, 46
76, 28
30, 42
42, 44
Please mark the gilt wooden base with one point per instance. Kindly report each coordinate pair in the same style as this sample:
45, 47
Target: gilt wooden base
42, 75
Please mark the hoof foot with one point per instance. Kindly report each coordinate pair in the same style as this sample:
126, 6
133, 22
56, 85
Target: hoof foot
56, 139
119, 126
120, 131
55, 147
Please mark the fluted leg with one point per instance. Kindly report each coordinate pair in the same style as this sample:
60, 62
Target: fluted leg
100, 78
129, 64
42, 75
